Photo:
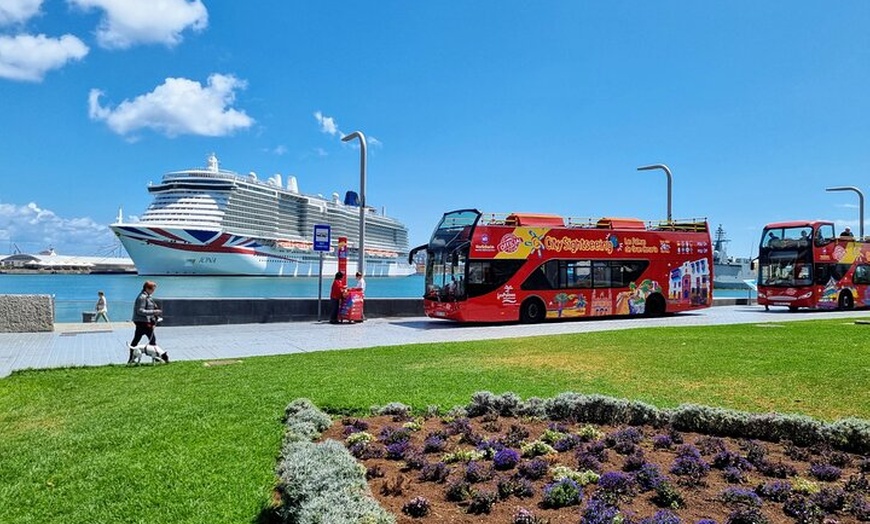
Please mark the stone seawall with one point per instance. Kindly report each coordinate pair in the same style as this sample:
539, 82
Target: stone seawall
26, 313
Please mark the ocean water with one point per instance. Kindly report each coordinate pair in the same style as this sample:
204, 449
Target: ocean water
75, 294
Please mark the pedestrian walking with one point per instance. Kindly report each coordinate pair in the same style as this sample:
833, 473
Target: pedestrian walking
102, 307
146, 315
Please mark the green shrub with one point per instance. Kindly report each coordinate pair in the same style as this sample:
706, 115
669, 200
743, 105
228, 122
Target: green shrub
321, 483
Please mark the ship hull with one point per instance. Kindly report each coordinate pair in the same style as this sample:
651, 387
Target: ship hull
161, 251
732, 276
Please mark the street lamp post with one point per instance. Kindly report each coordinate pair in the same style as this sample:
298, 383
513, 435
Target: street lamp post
670, 182
362, 196
860, 206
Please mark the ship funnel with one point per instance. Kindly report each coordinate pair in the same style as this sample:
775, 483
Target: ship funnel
291, 184
351, 198
276, 179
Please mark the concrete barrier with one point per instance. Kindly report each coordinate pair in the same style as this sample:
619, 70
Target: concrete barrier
26, 313
209, 311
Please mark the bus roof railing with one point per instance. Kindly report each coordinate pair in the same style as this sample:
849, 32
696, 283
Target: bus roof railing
545, 220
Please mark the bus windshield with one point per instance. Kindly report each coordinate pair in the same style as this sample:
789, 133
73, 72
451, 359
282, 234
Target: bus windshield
786, 257
448, 255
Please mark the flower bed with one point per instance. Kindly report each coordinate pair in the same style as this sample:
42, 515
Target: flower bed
504, 469
492, 462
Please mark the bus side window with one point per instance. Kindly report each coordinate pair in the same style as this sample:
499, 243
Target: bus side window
601, 273
824, 234
543, 277
822, 274
862, 274
580, 274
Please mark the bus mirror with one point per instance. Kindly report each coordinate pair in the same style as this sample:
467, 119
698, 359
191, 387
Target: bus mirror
415, 251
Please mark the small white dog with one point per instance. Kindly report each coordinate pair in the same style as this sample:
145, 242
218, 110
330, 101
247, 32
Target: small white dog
151, 350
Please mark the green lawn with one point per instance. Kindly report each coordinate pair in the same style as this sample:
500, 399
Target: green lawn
190, 443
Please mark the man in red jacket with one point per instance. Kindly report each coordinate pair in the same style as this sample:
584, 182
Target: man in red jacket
335, 296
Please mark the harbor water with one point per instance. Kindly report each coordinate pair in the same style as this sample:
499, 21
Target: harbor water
77, 293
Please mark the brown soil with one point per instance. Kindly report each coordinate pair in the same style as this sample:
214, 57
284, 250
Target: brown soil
399, 484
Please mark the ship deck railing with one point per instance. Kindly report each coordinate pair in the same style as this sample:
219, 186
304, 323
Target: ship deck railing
694, 225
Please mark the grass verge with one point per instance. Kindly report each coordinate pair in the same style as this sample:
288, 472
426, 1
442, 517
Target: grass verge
195, 443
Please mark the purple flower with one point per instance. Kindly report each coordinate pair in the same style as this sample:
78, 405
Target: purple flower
734, 475
434, 444
615, 486
742, 496
776, 491
417, 507
567, 442
710, 445
390, 435
598, 511
662, 517
634, 462
830, 499
662, 442
533, 469
517, 486
476, 472
746, 516
397, 450
726, 459
506, 459
690, 466
436, 472
825, 472
648, 477
524, 516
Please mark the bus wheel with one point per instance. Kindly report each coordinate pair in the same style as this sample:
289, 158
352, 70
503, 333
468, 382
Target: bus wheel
846, 301
655, 305
532, 312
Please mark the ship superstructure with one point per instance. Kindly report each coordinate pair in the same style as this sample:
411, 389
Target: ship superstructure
209, 221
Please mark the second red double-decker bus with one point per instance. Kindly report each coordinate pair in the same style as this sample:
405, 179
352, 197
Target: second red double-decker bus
807, 264
528, 267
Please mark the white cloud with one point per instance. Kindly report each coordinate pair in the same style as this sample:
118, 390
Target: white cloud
177, 107
129, 22
34, 229
327, 124
29, 58
18, 11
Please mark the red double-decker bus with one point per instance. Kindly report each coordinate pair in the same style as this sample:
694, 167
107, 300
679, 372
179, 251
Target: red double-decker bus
807, 264
531, 267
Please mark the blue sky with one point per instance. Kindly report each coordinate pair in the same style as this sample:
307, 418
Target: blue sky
505, 106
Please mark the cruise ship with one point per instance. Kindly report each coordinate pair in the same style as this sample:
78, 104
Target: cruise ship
209, 221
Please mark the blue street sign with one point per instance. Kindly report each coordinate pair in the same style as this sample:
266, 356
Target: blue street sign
321, 237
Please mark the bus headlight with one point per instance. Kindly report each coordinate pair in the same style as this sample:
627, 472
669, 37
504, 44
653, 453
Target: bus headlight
805, 295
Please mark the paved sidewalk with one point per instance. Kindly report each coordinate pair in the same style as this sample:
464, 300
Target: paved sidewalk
73, 345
